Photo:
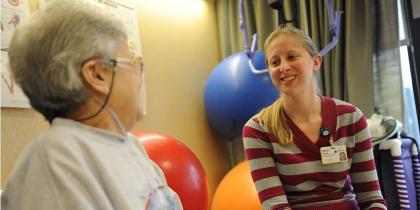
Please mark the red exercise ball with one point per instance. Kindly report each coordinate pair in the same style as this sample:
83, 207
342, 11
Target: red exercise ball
236, 191
183, 171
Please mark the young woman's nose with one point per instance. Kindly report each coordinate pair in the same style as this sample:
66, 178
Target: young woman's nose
284, 66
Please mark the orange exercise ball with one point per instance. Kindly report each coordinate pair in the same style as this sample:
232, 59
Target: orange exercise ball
236, 191
183, 171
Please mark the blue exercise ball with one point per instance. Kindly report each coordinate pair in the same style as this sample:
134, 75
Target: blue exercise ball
233, 93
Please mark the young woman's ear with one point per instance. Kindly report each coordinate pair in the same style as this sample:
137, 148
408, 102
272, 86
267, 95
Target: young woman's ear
96, 78
317, 62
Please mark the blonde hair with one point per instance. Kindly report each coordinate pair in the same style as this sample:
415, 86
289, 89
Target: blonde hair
273, 117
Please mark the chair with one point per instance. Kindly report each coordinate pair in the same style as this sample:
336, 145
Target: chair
398, 167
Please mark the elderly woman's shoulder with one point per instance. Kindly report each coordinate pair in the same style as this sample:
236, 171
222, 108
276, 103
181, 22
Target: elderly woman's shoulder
65, 135
61, 139
53, 141
46, 151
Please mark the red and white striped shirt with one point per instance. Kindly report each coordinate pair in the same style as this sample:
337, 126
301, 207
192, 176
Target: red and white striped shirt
292, 176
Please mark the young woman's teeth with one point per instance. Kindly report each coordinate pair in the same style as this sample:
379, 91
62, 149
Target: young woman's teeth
288, 78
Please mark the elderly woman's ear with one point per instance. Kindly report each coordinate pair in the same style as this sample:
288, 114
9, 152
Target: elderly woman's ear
97, 78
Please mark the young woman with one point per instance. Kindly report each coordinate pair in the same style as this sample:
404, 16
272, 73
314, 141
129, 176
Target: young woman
293, 146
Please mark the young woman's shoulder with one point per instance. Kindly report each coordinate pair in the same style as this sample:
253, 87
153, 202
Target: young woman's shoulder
254, 119
254, 124
339, 102
344, 105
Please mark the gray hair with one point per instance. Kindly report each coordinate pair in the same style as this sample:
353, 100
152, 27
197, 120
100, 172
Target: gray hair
48, 50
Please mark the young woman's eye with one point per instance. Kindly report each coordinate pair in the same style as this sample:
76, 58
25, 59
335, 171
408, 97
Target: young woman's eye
291, 57
274, 62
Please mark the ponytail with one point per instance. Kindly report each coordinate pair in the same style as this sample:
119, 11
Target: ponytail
274, 119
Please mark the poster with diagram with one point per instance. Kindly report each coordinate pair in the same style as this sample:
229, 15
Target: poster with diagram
12, 13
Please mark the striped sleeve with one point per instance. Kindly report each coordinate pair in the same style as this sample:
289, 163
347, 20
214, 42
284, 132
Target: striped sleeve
263, 168
363, 171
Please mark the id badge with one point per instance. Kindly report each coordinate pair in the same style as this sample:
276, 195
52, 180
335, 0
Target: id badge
333, 154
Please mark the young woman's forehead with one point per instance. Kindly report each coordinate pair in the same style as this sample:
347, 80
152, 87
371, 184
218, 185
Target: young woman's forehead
286, 45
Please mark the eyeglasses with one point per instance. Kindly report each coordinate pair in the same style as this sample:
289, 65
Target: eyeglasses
136, 62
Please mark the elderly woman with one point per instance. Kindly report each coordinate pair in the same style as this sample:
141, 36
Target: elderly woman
74, 65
